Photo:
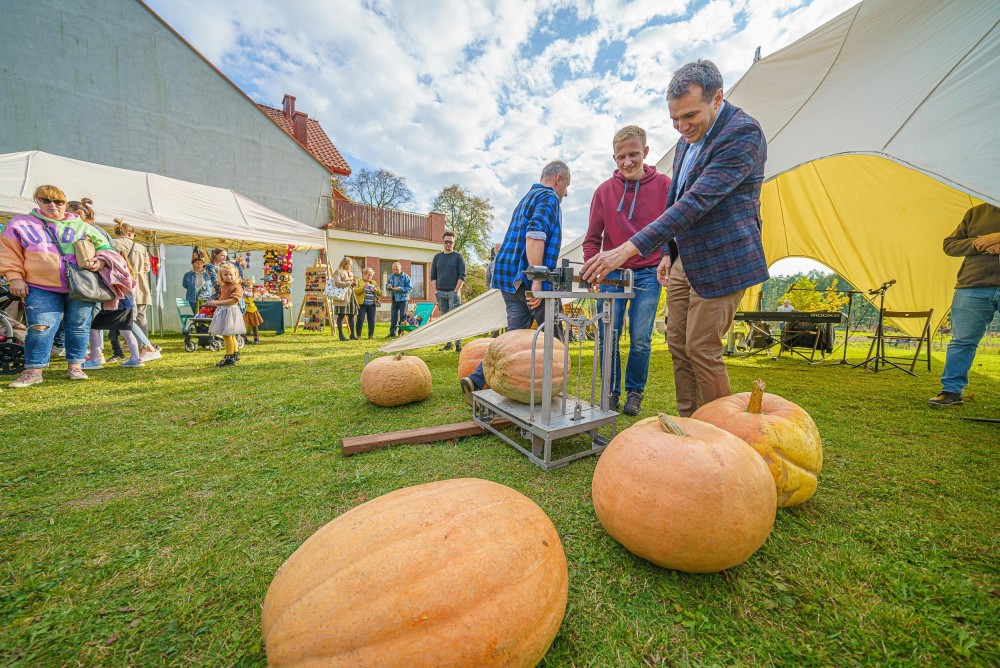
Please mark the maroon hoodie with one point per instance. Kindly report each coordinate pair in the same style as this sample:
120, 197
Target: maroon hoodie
621, 208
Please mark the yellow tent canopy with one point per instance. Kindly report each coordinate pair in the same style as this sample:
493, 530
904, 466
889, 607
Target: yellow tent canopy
882, 131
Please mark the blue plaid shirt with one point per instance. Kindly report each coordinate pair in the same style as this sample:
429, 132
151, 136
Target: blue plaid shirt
537, 216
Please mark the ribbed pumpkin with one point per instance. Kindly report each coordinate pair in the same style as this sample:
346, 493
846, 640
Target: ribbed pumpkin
780, 431
461, 572
396, 380
472, 354
698, 501
508, 361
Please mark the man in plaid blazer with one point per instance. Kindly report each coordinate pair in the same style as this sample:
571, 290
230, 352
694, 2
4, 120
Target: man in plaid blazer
710, 234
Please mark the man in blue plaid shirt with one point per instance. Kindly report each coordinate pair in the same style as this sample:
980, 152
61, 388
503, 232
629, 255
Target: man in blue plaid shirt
533, 239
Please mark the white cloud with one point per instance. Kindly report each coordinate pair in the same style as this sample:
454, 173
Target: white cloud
442, 92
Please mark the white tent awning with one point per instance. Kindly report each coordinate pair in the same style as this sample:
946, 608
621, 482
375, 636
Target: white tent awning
485, 313
179, 212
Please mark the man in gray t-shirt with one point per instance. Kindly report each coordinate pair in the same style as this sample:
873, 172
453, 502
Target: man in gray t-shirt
447, 279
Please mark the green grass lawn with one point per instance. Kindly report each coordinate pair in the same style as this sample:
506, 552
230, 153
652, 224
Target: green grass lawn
144, 513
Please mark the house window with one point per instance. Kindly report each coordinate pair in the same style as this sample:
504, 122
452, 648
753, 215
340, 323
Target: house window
385, 271
356, 265
417, 274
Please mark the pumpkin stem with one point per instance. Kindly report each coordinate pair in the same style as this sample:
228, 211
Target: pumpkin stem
756, 397
670, 425
398, 356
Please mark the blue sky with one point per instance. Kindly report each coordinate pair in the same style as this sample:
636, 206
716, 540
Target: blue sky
483, 94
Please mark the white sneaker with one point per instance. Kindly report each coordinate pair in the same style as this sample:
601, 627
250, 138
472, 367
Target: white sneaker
27, 379
151, 355
58, 352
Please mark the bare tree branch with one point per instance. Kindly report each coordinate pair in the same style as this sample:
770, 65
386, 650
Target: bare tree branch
381, 189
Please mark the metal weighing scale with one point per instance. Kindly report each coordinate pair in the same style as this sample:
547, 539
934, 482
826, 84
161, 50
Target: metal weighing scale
545, 419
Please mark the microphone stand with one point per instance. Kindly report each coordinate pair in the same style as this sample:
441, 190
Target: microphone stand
876, 353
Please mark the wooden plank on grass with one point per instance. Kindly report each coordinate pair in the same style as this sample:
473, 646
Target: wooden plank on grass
352, 445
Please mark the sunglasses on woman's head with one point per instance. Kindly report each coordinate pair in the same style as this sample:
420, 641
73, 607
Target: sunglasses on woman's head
57, 202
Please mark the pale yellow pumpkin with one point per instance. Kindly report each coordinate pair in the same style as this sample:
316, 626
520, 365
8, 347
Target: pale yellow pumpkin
780, 431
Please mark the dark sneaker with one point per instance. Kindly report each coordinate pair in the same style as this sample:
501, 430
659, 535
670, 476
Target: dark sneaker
467, 389
116, 358
633, 403
458, 346
447, 346
236, 356
946, 399
614, 402
226, 361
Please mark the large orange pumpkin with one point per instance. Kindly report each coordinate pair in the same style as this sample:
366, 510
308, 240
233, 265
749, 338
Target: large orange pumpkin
396, 380
780, 431
460, 572
508, 361
472, 354
684, 494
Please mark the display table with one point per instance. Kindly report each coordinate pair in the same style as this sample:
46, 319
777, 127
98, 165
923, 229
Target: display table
273, 314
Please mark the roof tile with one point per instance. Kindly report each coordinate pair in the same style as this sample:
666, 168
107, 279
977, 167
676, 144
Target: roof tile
319, 144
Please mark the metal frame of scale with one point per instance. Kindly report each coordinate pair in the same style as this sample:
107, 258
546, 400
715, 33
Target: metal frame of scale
564, 415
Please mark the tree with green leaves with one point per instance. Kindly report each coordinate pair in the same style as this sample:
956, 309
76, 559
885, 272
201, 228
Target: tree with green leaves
470, 218
381, 189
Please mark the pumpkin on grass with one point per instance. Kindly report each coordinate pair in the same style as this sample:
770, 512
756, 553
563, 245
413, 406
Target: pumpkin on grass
472, 354
508, 362
780, 431
460, 572
684, 495
396, 380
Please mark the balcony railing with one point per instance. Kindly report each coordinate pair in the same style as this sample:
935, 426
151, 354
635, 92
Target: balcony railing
388, 222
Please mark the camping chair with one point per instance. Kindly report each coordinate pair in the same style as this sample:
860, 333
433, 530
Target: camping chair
184, 312
803, 334
423, 310
896, 339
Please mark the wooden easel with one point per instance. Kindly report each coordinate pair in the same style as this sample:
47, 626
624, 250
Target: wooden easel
315, 297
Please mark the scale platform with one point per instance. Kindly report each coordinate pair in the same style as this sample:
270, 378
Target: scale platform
564, 421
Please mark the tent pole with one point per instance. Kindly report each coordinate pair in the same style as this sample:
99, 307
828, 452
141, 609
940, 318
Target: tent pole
159, 301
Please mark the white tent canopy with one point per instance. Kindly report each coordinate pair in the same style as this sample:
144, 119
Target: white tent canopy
179, 212
485, 313
882, 130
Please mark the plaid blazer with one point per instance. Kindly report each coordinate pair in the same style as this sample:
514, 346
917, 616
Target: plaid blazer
714, 222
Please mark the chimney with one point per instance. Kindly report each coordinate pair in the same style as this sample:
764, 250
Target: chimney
288, 106
299, 123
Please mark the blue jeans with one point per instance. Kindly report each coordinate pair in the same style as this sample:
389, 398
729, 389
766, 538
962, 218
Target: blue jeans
972, 310
519, 316
641, 315
366, 311
447, 300
397, 314
44, 311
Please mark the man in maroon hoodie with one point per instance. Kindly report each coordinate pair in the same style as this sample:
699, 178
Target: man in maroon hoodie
634, 196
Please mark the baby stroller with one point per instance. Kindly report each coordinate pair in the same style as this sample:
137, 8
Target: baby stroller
196, 332
11, 350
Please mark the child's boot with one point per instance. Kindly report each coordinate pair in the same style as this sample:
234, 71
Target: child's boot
226, 361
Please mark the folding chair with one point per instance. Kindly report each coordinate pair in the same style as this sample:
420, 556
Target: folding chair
184, 312
924, 338
423, 310
803, 334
